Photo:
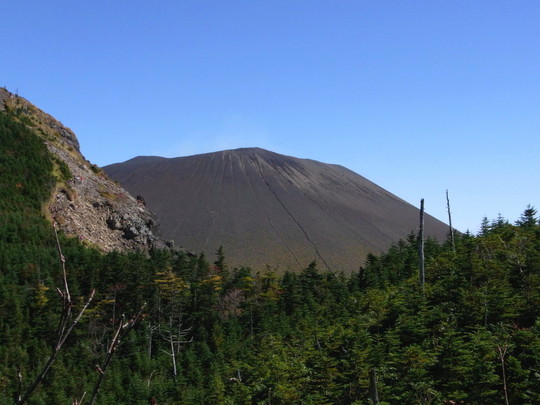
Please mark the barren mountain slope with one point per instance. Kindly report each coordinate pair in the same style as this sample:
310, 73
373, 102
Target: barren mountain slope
269, 209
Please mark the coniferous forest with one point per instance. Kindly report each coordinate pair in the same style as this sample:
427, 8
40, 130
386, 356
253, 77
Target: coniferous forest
175, 328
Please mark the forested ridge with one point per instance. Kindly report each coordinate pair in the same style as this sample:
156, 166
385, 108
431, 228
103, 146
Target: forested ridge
211, 334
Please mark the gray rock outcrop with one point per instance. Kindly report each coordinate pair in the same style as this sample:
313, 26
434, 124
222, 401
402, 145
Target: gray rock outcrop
86, 204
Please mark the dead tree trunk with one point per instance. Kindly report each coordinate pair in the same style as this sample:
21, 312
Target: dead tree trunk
450, 223
173, 352
151, 330
373, 386
175, 340
502, 353
421, 245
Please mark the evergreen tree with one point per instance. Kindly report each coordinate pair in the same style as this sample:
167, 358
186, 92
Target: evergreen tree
528, 218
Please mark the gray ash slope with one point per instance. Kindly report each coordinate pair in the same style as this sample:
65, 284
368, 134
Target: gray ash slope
269, 209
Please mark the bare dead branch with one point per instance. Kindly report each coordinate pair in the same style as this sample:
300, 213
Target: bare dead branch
65, 327
63, 260
77, 401
121, 331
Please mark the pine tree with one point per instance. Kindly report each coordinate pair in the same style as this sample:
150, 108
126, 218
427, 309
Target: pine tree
528, 218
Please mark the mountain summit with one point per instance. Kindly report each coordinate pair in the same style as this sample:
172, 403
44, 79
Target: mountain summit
265, 208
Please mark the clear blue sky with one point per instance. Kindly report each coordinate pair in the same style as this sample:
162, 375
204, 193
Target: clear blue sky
417, 96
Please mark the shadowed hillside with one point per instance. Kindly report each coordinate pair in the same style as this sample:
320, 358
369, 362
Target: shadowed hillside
266, 208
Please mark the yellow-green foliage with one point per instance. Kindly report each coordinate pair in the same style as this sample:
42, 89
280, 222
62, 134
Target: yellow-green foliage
170, 286
40, 296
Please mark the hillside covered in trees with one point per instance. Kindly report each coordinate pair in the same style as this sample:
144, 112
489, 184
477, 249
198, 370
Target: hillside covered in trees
211, 334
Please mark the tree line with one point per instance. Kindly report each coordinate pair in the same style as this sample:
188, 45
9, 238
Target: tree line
209, 334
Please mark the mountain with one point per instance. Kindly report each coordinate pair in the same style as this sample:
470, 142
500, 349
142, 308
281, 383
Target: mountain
83, 202
174, 329
269, 209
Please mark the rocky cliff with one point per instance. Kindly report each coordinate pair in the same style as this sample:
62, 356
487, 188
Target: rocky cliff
86, 204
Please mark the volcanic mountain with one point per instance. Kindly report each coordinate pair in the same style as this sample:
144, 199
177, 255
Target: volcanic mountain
269, 209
